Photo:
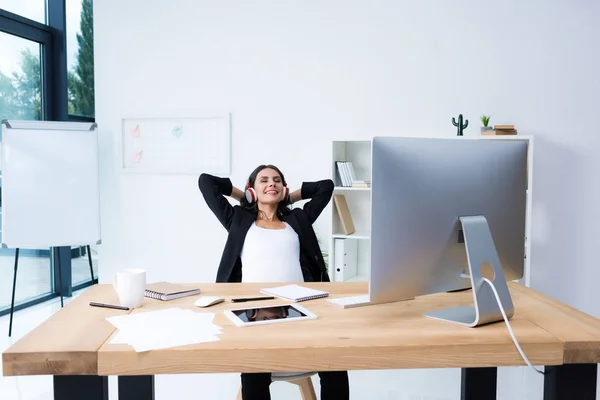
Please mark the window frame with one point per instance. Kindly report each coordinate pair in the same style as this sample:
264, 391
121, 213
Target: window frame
54, 87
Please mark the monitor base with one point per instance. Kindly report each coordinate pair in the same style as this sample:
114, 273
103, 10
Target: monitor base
481, 252
458, 290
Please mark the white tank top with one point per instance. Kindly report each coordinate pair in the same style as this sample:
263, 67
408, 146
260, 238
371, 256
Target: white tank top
271, 255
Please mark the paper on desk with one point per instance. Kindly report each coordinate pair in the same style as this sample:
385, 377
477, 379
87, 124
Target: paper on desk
164, 328
119, 338
167, 341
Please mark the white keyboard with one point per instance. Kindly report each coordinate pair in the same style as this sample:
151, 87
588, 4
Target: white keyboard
353, 301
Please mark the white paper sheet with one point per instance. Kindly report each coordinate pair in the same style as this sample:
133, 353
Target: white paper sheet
165, 328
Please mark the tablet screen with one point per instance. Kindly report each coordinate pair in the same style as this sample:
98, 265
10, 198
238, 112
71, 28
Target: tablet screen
268, 313
271, 314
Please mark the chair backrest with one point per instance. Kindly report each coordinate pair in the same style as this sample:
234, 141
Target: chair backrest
290, 376
302, 379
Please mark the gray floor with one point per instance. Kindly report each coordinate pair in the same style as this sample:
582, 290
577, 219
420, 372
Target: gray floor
34, 276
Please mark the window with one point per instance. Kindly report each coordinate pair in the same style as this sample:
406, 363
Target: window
20, 79
80, 57
80, 78
31, 9
21, 98
38, 81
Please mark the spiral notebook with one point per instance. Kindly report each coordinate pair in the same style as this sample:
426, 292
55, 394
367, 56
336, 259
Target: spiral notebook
295, 293
166, 291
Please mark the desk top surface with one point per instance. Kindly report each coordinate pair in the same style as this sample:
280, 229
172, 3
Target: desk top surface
76, 340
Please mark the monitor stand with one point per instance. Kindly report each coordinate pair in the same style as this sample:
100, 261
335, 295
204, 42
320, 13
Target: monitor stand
481, 250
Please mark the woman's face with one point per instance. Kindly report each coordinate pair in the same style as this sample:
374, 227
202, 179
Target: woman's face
268, 186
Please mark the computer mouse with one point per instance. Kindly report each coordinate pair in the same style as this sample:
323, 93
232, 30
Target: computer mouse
207, 301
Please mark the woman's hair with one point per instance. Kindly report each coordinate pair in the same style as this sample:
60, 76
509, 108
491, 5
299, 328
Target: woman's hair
282, 208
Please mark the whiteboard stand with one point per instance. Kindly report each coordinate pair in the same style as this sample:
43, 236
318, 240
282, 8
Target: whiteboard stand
49, 166
94, 280
12, 302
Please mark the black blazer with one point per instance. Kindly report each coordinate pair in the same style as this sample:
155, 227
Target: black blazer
238, 221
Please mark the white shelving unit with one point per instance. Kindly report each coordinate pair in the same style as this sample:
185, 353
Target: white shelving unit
356, 265
529, 139
357, 245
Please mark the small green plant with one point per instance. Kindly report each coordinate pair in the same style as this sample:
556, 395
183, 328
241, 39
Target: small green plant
324, 253
485, 120
326, 259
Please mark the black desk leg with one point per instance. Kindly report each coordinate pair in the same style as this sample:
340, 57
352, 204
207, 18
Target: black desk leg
570, 382
77, 387
136, 387
478, 383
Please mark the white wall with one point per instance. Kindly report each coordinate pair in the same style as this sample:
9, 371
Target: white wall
296, 75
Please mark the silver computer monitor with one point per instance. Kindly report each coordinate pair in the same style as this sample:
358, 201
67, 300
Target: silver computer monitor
424, 193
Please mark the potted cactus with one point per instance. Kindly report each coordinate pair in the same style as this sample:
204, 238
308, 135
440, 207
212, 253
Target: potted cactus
485, 120
459, 125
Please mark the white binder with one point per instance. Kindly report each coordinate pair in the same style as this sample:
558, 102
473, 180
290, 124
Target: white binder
345, 259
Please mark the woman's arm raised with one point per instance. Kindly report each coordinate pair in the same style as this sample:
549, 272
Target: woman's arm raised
319, 194
213, 190
296, 195
236, 193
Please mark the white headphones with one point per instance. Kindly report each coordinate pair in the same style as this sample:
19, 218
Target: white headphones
250, 194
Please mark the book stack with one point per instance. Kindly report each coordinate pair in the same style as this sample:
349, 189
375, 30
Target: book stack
501, 130
348, 175
361, 184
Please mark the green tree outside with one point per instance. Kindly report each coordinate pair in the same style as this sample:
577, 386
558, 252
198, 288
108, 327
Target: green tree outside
81, 79
28, 87
8, 108
20, 94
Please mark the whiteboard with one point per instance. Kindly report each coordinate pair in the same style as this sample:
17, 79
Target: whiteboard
50, 184
177, 145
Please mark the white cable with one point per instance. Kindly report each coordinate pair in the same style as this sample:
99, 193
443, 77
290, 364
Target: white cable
508, 325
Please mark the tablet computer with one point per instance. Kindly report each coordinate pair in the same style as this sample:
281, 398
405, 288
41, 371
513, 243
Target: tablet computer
271, 314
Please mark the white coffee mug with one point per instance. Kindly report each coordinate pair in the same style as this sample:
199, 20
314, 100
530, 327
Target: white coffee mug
130, 285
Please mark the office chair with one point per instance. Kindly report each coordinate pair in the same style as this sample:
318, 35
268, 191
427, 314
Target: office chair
301, 379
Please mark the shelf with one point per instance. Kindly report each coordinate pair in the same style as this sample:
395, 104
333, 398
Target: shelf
345, 188
356, 235
355, 252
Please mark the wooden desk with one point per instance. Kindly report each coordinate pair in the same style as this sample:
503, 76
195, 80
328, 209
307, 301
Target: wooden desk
73, 345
